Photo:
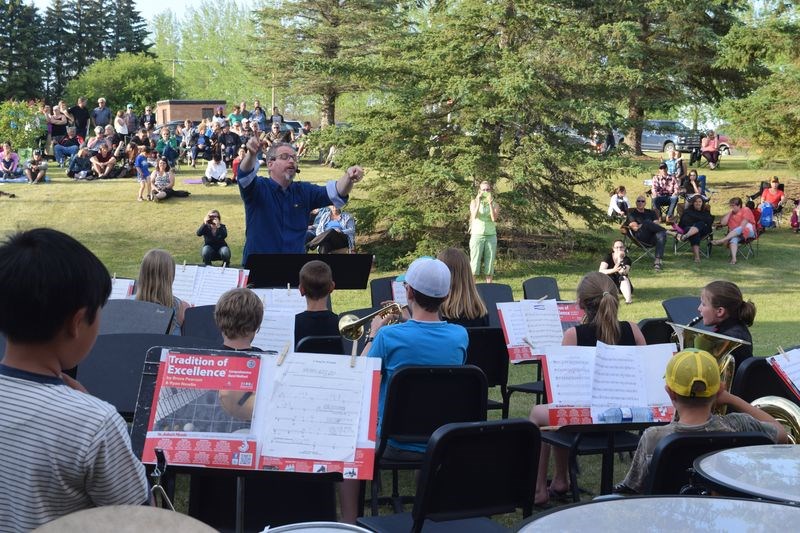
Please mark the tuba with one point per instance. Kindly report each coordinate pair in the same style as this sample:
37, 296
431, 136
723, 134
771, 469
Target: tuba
719, 346
786, 412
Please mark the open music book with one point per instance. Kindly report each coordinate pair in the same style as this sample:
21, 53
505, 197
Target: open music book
530, 326
240, 410
590, 385
787, 366
203, 285
121, 289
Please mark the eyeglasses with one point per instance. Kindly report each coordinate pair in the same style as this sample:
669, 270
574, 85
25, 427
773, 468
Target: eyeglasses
286, 157
640, 201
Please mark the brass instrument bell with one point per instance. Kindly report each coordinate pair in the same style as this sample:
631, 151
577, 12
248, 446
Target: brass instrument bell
352, 328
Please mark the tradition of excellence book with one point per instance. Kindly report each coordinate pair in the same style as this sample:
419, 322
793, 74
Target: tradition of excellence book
244, 410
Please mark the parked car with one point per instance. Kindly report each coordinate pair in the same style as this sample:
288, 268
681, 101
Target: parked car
172, 124
668, 135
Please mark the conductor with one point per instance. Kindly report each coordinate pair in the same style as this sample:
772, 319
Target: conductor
277, 208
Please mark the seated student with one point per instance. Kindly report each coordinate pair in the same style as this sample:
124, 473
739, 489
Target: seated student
642, 223
619, 203
723, 307
156, 275
62, 450
316, 283
741, 226
463, 305
692, 382
80, 168
36, 168
238, 315
214, 234
422, 340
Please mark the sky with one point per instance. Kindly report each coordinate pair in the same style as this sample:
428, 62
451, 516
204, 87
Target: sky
148, 8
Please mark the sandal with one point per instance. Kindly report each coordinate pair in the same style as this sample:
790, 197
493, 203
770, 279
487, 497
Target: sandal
558, 495
657, 267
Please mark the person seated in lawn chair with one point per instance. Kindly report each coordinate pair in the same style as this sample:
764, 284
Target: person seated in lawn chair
336, 232
774, 195
741, 227
167, 146
665, 191
644, 225
696, 222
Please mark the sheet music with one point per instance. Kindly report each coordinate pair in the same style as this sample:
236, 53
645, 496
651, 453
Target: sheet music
276, 331
289, 299
121, 289
399, 293
314, 407
789, 364
570, 372
184, 282
655, 358
213, 282
618, 379
534, 320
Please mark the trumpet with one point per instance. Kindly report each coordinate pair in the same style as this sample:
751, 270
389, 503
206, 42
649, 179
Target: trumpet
352, 328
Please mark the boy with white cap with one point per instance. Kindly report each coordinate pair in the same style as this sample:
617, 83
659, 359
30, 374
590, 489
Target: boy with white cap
422, 340
692, 382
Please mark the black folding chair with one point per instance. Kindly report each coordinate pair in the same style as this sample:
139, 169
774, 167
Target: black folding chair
491, 294
487, 350
135, 316
380, 290
655, 330
631, 243
112, 371
199, 322
705, 245
540, 287
332, 344
471, 471
419, 400
675, 454
681, 309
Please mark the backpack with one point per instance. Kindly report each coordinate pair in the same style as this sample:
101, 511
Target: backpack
766, 215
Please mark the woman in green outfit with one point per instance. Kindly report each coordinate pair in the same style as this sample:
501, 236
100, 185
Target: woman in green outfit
483, 243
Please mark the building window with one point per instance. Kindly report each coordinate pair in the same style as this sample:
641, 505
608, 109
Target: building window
208, 112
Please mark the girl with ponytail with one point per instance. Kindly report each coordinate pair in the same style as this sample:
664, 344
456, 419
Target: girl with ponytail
722, 306
599, 298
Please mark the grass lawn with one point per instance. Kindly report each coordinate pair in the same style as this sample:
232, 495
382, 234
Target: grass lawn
106, 217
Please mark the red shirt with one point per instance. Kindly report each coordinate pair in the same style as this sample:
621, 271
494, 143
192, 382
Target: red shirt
774, 197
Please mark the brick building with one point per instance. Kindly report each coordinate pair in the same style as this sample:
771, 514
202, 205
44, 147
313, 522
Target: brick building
168, 110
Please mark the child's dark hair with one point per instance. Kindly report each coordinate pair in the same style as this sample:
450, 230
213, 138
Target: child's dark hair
239, 313
750, 204
45, 277
695, 401
428, 303
316, 279
728, 296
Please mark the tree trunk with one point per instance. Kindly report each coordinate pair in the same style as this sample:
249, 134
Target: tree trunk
328, 107
636, 117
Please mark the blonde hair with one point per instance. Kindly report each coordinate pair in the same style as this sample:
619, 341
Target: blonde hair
155, 278
463, 301
238, 313
598, 297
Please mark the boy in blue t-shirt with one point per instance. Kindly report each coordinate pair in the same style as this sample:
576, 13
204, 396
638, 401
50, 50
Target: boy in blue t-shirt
142, 166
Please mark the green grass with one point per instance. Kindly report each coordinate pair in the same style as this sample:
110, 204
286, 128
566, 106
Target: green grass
106, 217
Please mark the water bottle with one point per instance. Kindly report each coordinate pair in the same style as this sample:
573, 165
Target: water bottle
617, 415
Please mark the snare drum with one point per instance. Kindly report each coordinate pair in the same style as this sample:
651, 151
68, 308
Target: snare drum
125, 519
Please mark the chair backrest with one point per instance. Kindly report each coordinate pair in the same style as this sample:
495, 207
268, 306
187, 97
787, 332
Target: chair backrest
681, 309
199, 322
755, 379
478, 469
2, 345
491, 293
380, 290
538, 287
333, 344
135, 316
676, 453
487, 350
655, 330
360, 313
421, 399
112, 371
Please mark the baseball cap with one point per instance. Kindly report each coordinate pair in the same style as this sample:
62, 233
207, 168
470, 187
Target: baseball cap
693, 373
130, 106
429, 276
662, 166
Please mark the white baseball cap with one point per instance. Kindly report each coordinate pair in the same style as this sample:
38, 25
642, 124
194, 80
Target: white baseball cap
429, 276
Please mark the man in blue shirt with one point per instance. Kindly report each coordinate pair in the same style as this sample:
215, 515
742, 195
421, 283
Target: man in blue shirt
277, 208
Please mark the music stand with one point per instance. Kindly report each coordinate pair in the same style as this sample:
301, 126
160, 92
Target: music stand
350, 271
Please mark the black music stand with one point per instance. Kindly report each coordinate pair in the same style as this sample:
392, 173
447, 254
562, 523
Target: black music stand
350, 271
141, 421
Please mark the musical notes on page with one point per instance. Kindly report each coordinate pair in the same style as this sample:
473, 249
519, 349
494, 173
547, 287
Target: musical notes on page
787, 365
534, 324
399, 293
569, 371
276, 331
121, 289
204, 285
289, 299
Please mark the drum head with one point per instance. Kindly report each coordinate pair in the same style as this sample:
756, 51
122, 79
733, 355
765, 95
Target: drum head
318, 527
125, 519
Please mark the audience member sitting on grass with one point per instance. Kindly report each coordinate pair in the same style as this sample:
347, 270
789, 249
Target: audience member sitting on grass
103, 162
162, 181
9, 163
113, 138
216, 172
619, 204
598, 297
617, 266
692, 383
142, 166
80, 168
696, 222
643, 223
154, 285
316, 283
463, 305
65, 449
741, 226
36, 168
67, 147
214, 234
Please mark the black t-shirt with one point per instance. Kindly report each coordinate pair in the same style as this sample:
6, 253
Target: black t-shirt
640, 218
616, 276
81, 116
315, 324
480, 322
